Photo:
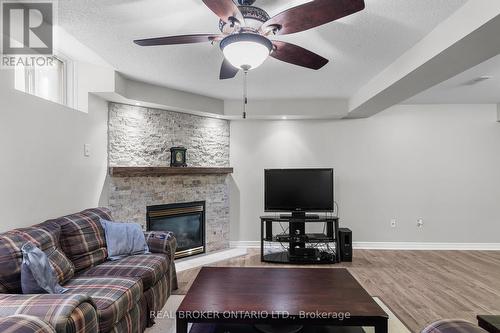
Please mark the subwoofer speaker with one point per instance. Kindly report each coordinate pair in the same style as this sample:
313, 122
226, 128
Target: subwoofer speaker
345, 244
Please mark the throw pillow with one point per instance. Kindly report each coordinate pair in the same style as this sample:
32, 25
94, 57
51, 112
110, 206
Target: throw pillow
124, 239
37, 275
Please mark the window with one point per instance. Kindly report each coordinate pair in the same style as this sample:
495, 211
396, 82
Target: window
48, 82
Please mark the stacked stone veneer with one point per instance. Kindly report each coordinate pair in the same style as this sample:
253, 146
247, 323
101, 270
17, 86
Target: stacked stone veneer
142, 137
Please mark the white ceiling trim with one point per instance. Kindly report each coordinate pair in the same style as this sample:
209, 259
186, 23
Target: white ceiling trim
133, 92
290, 108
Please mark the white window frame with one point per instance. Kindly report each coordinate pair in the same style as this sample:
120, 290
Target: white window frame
68, 80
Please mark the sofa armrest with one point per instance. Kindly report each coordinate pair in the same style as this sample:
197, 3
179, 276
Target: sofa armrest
161, 242
62, 311
164, 242
24, 324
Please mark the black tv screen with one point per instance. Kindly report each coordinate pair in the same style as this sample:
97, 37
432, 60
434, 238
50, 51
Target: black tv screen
298, 190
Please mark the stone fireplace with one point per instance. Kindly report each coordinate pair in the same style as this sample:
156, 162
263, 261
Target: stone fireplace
186, 220
142, 137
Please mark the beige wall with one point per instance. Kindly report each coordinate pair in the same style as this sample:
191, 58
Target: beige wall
43, 171
436, 162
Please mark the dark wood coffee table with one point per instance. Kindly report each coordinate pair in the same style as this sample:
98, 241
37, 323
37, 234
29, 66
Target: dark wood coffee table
489, 323
279, 296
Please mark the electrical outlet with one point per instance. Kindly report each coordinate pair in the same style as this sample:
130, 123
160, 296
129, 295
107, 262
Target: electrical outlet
420, 222
86, 150
393, 223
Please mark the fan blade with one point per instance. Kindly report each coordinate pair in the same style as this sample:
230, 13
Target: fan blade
311, 14
227, 71
225, 9
297, 55
181, 39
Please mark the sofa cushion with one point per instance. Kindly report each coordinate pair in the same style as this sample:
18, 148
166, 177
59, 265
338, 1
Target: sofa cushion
113, 297
150, 268
44, 236
91, 259
82, 237
10, 261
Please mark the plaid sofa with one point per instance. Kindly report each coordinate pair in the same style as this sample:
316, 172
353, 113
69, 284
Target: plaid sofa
24, 324
103, 296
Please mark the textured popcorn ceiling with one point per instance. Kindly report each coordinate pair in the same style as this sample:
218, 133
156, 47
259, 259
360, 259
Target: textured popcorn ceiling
359, 46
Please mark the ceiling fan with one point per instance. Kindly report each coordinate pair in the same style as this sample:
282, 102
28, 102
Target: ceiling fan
246, 30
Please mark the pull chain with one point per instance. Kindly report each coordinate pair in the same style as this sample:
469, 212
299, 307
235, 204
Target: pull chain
245, 98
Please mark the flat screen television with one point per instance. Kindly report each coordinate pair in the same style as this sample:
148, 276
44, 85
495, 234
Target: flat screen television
298, 190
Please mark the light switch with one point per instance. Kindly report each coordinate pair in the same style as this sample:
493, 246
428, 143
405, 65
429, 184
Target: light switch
86, 150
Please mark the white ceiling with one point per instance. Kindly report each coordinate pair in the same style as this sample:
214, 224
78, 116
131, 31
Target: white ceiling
361, 45
459, 90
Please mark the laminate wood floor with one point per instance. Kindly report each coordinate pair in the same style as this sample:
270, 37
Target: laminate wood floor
418, 286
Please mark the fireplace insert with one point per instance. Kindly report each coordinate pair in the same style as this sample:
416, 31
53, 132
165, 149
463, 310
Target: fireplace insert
186, 220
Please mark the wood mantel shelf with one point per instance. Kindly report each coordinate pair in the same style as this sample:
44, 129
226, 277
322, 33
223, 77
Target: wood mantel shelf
166, 171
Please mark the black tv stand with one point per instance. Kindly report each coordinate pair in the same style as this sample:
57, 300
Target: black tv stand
299, 216
286, 239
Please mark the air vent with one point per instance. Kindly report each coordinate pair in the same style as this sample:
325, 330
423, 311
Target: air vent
477, 80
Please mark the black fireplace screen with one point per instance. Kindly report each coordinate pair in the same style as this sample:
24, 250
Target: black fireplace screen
185, 220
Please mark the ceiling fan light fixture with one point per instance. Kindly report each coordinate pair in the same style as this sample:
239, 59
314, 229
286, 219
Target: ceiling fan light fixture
246, 50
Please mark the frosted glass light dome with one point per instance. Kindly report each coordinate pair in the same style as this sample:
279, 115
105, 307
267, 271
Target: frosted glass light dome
246, 50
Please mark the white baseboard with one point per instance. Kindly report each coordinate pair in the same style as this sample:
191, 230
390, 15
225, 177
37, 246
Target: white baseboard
207, 259
245, 244
397, 246
426, 246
